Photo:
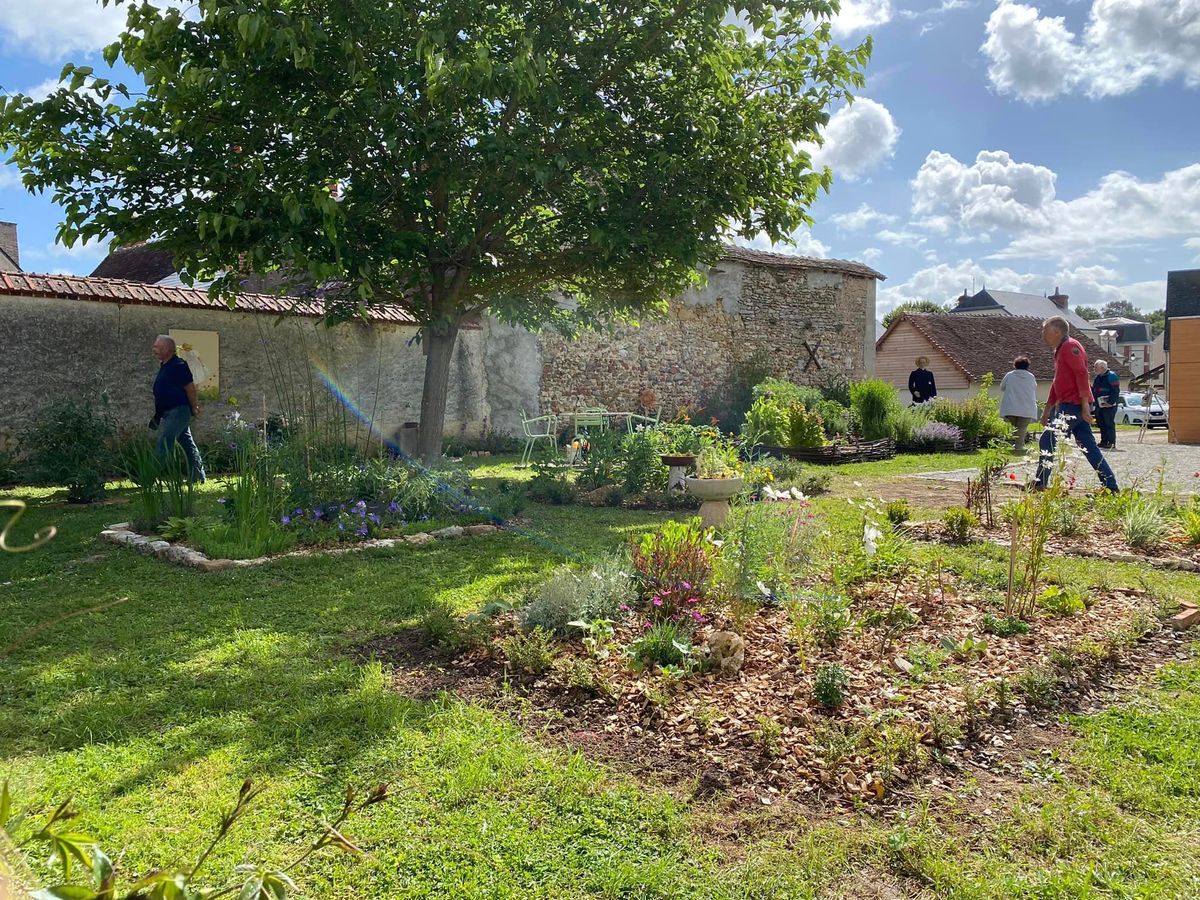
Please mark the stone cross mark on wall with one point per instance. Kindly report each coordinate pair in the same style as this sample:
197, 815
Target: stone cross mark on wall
812, 356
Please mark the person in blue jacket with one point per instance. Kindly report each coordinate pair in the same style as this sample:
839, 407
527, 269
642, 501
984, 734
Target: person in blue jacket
1106, 389
920, 382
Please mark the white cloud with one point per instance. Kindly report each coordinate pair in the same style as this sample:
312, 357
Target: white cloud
858, 138
1121, 211
994, 192
803, 244
860, 15
51, 29
901, 237
1125, 44
1086, 286
10, 177
1193, 244
80, 259
861, 218
870, 254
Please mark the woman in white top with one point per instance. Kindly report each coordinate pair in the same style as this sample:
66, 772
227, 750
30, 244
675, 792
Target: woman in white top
1019, 404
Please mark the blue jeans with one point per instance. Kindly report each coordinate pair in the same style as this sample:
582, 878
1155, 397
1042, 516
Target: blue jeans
1081, 431
174, 428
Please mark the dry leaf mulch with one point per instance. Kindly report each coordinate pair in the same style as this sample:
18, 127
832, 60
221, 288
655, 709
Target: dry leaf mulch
759, 735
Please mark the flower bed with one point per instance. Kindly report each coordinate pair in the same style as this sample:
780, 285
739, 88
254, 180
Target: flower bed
940, 690
856, 451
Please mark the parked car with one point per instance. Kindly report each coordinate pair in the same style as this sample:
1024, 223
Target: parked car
1132, 410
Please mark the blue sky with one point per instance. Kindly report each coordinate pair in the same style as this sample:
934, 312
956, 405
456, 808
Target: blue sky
1021, 145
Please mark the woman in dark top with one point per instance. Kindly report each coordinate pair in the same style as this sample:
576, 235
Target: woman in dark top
920, 382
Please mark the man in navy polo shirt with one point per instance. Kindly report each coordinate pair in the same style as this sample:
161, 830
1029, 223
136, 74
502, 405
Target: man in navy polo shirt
175, 404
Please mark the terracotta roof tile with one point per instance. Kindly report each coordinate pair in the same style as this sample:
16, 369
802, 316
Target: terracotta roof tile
982, 344
109, 290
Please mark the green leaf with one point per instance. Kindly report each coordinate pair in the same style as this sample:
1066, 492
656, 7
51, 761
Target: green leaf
65, 892
5, 794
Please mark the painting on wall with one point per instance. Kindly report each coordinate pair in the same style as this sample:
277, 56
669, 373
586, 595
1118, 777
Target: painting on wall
201, 350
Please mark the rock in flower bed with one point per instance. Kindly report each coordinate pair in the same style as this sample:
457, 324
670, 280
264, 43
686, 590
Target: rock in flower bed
839, 696
123, 535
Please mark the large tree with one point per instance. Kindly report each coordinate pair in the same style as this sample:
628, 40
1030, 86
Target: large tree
450, 156
913, 306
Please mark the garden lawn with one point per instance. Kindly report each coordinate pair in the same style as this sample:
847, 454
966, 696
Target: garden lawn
152, 708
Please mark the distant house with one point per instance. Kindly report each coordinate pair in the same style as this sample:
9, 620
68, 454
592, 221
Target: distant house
963, 349
1010, 303
1129, 340
1182, 345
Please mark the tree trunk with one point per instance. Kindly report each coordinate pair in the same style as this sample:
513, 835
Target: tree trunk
439, 350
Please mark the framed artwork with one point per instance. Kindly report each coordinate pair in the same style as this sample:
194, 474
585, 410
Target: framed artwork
201, 350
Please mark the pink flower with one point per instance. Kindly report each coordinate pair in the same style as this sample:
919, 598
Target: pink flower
657, 601
697, 616
693, 599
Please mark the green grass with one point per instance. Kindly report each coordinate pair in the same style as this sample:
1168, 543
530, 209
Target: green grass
151, 711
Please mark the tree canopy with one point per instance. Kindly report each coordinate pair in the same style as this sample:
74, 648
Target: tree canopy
449, 156
912, 306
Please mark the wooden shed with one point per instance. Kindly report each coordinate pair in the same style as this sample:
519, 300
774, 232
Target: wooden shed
1182, 344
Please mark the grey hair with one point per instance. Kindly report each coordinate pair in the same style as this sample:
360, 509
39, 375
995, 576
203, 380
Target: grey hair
167, 339
1059, 323
1102, 362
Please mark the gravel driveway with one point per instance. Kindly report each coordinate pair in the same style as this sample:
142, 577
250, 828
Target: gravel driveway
1134, 464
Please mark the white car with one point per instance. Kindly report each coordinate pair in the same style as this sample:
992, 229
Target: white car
1132, 410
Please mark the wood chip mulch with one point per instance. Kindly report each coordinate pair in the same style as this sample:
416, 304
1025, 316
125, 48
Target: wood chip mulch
758, 736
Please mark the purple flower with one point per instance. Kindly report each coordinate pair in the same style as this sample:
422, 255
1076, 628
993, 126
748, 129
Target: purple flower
697, 616
298, 512
393, 507
286, 520
361, 504
318, 513
341, 526
362, 530
374, 518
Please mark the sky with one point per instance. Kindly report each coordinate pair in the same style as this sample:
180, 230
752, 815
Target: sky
1021, 146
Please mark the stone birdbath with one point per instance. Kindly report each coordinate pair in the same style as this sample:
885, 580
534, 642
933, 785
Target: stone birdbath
678, 463
715, 494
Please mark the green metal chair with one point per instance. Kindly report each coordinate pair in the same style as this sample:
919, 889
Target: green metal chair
537, 428
590, 417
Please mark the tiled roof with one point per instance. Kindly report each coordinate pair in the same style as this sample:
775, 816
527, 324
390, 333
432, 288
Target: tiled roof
137, 262
787, 261
111, 290
982, 344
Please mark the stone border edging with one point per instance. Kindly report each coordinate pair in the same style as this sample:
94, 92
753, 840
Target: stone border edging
1171, 563
123, 534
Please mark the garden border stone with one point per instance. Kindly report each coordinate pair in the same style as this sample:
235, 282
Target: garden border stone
122, 534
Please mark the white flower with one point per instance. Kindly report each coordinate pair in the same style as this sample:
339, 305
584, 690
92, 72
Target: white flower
798, 494
856, 483
766, 591
871, 536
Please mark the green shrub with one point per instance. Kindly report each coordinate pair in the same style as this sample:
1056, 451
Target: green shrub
897, 511
1190, 520
641, 469
550, 483
766, 423
68, 443
875, 403
907, 421
1069, 517
835, 416
805, 428
603, 456
729, 402
788, 393
529, 652
978, 417
957, 523
665, 643
826, 616
830, 685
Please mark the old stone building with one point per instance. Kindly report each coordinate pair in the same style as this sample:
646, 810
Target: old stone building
808, 319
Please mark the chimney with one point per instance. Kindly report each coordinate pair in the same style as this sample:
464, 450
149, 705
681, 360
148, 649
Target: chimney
1059, 299
10, 259
963, 299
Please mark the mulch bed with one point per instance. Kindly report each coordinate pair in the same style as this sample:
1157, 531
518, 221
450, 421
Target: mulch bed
758, 737
832, 454
1100, 541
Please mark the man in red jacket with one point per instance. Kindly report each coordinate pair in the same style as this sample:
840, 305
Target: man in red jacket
1070, 398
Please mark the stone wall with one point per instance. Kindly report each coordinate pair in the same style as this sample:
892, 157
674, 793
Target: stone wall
55, 348
743, 311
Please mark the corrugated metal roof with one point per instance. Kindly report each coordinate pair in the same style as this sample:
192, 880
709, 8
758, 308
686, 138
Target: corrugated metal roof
113, 290
787, 261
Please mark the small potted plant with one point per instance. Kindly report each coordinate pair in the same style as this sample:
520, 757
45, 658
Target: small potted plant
718, 480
